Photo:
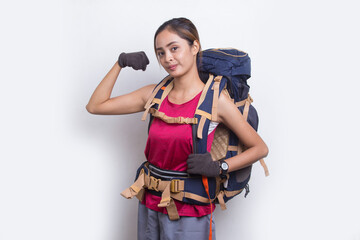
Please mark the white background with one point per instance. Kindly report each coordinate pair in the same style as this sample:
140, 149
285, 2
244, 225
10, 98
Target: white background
62, 169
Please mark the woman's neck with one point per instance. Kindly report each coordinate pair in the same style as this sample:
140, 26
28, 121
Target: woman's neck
186, 88
189, 83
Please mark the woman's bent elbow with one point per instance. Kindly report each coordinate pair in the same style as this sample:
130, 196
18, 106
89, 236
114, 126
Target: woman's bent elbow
90, 109
265, 151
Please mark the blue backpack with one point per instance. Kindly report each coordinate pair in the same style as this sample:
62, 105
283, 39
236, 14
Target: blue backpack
222, 70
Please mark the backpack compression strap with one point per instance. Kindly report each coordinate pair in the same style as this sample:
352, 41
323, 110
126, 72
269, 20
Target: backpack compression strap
246, 103
151, 99
205, 115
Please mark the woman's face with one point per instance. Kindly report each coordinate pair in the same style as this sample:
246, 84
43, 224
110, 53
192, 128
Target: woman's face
175, 54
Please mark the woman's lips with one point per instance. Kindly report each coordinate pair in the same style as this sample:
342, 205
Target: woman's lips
172, 67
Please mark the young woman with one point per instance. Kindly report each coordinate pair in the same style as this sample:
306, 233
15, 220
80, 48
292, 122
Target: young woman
169, 146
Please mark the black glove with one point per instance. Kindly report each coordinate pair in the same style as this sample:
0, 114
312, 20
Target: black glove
136, 60
203, 164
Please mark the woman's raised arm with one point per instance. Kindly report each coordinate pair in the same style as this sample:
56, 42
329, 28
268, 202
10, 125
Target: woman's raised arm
100, 101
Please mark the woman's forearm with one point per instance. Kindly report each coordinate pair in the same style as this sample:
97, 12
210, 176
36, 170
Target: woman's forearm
248, 157
103, 91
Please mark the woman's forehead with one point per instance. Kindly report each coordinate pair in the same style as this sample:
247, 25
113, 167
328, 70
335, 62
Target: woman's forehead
166, 38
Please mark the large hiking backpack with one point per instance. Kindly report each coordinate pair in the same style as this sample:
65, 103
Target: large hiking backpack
222, 70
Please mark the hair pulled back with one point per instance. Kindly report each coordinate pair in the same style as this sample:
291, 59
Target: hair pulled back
185, 29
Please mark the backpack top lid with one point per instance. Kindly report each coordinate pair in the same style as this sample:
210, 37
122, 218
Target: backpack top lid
226, 62
233, 64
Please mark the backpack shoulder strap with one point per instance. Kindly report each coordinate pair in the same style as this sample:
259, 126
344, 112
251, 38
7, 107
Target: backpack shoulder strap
157, 95
206, 110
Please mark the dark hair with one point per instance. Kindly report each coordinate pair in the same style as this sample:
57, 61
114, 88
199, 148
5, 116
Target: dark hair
185, 29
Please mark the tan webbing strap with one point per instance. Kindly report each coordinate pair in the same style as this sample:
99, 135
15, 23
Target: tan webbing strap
136, 188
165, 196
232, 193
241, 103
166, 92
200, 112
215, 98
220, 198
232, 148
205, 90
201, 127
172, 211
156, 100
263, 164
197, 197
246, 110
143, 118
247, 103
168, 202
153, 94
203, 113
167, 119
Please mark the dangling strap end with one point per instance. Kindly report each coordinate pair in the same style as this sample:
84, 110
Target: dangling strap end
266, 170
147, 109
220, 198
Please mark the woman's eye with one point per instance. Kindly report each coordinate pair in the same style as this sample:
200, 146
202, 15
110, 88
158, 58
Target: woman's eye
160, 54
174, 48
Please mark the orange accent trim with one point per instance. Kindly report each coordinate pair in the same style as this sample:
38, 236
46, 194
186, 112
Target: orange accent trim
206, 186
163, 88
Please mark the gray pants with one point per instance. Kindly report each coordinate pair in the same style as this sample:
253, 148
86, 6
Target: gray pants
154, 225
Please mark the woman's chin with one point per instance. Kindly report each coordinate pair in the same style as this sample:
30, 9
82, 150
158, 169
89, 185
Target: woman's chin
174, 74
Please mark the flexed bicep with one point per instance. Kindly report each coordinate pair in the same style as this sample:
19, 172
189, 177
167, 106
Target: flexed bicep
125, 104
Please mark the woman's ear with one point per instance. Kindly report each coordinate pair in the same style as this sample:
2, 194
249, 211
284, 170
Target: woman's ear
195, 47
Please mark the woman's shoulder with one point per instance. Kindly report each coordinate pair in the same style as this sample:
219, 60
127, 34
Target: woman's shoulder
226, 107
147, 91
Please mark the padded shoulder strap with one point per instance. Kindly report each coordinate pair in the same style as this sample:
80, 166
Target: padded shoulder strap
158, 90
207, 109
159, 94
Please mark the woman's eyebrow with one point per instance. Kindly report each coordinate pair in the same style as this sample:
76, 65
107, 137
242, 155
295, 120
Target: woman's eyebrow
167, 45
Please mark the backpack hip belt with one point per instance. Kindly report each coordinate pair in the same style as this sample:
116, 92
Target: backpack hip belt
171, 185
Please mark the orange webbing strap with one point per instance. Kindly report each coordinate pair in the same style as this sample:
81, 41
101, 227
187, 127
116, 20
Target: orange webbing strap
149, 103
215, 98
167, 119
206, 186
263, 164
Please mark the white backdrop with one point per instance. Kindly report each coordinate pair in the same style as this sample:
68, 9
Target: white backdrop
62, 169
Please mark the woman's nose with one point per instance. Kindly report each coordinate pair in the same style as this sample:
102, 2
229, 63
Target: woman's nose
169, 57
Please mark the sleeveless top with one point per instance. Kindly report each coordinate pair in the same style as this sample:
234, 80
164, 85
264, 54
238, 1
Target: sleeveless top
168, 147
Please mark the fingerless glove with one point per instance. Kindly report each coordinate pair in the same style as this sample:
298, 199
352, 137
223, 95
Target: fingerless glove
203, 164
136, 60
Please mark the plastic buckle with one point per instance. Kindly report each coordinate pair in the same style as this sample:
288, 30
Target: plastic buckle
174, 186
180, 119
154, 183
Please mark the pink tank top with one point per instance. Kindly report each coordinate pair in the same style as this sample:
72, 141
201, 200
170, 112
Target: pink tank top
168, 147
